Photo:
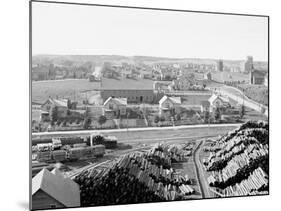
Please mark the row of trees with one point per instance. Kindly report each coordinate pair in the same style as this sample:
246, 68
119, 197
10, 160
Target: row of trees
87, 119
217, 114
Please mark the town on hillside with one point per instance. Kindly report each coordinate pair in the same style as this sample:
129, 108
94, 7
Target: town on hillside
136, 105
162, 125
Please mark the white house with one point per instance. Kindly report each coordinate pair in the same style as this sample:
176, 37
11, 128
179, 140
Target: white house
169, 105
115, 107
218, 101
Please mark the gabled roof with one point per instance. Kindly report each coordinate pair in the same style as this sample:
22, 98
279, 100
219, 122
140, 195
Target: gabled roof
214, 97
174, 100
117, 101
57, 102
126, 84
64, 190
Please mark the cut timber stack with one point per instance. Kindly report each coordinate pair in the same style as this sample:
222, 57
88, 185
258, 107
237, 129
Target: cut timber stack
135, 178
239, 161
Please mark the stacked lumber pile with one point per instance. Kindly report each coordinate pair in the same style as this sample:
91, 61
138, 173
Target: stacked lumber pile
135, 178
165, 154
256, 182
240, 166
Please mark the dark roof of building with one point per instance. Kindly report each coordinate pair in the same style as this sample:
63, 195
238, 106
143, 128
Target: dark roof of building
259, 72
126, 84
205, 103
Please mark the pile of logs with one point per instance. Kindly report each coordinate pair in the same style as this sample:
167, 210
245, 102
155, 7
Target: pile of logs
135, 178
257, 181
239, 161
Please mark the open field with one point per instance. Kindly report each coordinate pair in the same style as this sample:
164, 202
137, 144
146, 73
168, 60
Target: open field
258, 93
41, 90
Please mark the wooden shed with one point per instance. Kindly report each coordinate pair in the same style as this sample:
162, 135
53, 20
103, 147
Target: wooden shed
52, 190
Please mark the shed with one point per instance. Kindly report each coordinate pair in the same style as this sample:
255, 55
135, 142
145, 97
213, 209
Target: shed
52, 190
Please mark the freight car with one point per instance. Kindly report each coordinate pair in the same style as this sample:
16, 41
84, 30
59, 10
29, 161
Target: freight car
71, 154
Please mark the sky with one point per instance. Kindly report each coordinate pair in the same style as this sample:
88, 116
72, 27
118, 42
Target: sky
94, 30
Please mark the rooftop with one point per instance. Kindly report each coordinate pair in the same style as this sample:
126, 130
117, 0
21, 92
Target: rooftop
126, 84
55, 185
117, 101
174, 100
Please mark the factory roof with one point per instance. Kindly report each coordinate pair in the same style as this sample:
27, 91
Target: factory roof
126, 84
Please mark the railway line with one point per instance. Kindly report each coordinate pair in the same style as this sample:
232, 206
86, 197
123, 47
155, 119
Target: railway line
198, 171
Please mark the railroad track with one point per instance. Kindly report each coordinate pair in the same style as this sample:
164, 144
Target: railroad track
197, 172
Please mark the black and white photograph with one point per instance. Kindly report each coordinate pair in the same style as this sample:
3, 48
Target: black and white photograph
134, 105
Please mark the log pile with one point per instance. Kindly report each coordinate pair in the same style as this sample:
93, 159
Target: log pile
135, 178
240, 166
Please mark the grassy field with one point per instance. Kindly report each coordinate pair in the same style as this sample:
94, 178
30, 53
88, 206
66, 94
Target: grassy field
72, 89
258, 93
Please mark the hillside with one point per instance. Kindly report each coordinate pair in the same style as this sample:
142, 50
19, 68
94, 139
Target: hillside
69, 59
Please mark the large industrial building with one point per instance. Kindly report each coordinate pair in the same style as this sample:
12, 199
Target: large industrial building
135, 90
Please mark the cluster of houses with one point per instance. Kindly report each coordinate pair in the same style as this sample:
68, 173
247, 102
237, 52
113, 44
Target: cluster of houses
161, 71
115, 107
57, 72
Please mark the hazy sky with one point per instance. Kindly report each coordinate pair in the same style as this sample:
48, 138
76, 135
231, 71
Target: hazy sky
79, 29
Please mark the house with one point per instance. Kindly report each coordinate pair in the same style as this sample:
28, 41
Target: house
53, 190
145, 73
171, 105
257, 77
205, 106
96, 75
184, 82
208, 76
161, 86
218, 101
60, 104
115, 107
94, 111
166, 74
156, 75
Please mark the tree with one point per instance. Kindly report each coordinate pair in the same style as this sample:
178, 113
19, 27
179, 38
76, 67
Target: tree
217, 114
242, 111
87, 123
156, 119
102, 119
206, 116
87, 120
54, 115
178, 117
68, 104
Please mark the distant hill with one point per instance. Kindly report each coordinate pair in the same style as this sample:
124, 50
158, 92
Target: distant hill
99, 59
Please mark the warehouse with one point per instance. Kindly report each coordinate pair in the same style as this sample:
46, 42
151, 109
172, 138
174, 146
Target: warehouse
135, 90
52, 190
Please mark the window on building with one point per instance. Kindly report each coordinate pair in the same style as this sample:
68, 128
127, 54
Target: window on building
53, 206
